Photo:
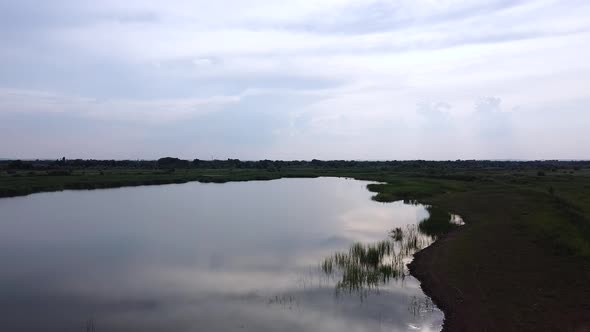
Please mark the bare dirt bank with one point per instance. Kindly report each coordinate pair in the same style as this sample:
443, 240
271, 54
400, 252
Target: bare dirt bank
491, 275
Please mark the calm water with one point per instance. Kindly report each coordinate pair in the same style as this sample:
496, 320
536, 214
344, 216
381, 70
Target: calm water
202, 257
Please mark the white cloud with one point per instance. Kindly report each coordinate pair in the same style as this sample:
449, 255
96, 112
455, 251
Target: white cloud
138, 111
345, 76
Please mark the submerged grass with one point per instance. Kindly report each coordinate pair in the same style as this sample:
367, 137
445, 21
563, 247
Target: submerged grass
365, 267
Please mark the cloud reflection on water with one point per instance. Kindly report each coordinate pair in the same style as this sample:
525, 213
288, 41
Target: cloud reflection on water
198, 257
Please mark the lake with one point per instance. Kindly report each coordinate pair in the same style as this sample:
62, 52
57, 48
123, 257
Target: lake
278, 255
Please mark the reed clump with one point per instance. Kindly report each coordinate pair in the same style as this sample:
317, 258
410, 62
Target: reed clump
367, 266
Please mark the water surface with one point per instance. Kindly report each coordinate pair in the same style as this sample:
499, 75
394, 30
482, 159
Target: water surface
241, 256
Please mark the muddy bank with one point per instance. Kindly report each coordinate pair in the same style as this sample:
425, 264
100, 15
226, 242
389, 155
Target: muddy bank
493, 275
435, 285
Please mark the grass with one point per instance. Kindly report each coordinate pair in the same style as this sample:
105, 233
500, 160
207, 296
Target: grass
412, 188
24, 183
367, 266
438, 222
522, 261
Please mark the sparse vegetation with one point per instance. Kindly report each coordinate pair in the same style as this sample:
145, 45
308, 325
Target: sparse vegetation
367, 266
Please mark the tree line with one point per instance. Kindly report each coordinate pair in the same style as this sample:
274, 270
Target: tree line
277, 165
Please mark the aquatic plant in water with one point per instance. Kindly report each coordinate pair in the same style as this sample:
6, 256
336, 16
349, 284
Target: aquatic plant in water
367, 266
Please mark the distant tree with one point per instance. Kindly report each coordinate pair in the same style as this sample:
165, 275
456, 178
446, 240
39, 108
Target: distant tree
19, 164
316, 162
170, 162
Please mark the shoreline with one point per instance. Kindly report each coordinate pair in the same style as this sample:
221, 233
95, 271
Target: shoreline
433, 285
495, 274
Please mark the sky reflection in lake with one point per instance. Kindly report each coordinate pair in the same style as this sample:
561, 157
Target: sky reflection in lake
200, 257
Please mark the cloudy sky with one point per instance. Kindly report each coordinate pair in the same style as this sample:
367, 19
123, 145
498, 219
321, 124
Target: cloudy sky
295, 79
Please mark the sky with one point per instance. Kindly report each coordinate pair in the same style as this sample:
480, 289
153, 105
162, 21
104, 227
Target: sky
295, 79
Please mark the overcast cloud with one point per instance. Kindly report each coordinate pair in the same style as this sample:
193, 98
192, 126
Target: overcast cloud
297, 79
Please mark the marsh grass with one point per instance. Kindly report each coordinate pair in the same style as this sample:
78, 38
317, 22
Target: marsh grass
365, 267
439, 222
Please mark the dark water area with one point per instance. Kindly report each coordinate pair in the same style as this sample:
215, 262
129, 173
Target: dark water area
247, 256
